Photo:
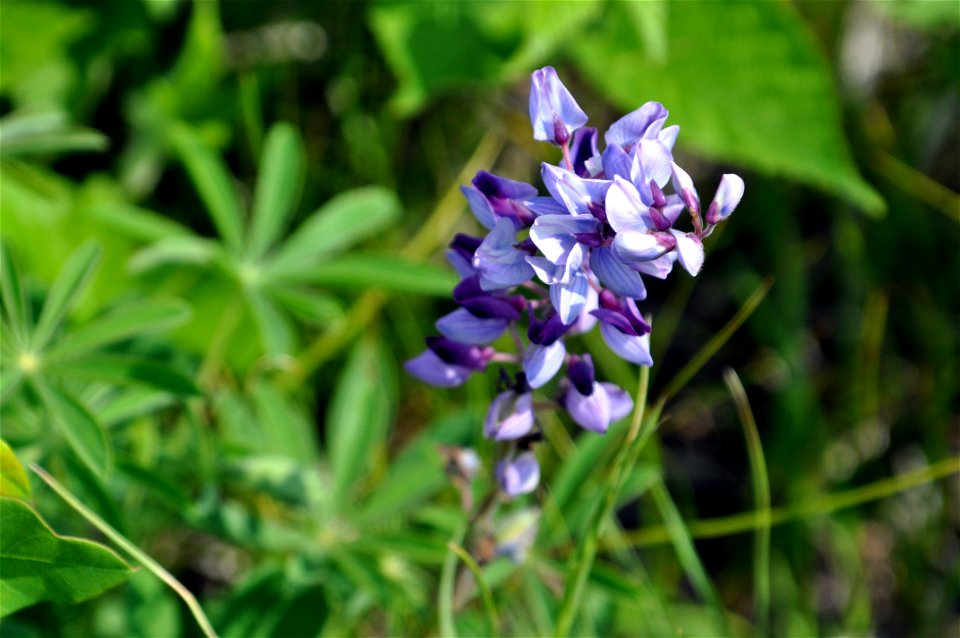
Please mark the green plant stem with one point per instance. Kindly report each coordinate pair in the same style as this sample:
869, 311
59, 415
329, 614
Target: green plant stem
915, 183
131, 549
749, 521
706, 353
627, 452
761, 495
493, 624
437, 228
448, 573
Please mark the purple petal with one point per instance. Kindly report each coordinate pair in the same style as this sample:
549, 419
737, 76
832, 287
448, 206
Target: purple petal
581, 373
582, 148
554, 234
480, 206
541, 363
656, 160
668, 136
659, 268
430, 368
461, 325
553, 111
510, 416
616, 275
689, 252
520, 475
590, 411
545, 206
623, 205
646, 121
586, 321
636, 243
729, 194
621, 403
502, 188
499, 263
616, 162
635, 349
684, 187
569, 299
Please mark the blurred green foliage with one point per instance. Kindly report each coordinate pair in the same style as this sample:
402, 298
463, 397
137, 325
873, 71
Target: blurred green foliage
222, 232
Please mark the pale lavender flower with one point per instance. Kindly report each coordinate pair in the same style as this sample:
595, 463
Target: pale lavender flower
510, 416
554, 113
519, 475
729, 193
591, 404
623, 329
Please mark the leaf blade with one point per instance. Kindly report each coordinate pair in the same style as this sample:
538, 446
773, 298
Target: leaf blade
82, 431
278, 187
66, 289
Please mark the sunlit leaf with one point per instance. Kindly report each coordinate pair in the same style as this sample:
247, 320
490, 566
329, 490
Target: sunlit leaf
185, 249
14, 303
278, 186
13, 480
40, 566
276, 330
124, 369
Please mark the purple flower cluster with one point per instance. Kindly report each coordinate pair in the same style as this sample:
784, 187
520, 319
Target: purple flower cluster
563, 262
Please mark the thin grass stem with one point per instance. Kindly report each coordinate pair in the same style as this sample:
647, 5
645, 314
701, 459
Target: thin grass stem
490, 609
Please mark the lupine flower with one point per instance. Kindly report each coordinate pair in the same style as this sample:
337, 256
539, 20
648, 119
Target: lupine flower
553, 111
519, 475
516, 533
564, 261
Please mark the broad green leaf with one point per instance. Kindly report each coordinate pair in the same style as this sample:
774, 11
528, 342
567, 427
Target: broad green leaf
67, 287
343, 221
123, 370
359, 414
14, 303
276, 330
39, 565
761, 95
185, 249
278, 187
125, 322
13, 480
78, 426
214, 184
387, 272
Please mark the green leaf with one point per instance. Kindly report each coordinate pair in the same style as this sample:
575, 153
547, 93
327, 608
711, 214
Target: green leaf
125, 322
214, 184
12, 293
13, 480
67, 287
761, 95
134, 222
81, 430
44, 133
185, 249
386, 272
276, 330
345, 220
39, 565
359, 414
122, 370
287, 428
281, 477
278, 187
310, 305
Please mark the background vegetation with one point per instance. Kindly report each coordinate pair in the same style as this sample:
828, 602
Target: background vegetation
223, 229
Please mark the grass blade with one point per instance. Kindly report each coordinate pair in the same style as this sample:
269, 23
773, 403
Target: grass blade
278, 187
687, 554
761, 495
706, 353
66, 289
135, 552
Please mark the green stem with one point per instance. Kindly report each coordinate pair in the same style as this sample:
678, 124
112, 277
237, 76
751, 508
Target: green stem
131, 549
448, 627
625, 460
761, 495
750, 521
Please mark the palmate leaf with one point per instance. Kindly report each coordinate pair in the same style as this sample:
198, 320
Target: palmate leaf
760, 95
67, 287
359, 414
276, 329
343, 221
278, 187
82, 431
38, 565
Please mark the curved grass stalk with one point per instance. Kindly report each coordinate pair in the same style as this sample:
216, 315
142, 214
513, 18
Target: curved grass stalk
135, 552
448, 575
489, 607
761, 496
750, 521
